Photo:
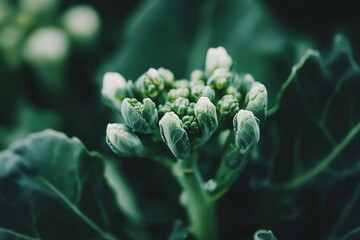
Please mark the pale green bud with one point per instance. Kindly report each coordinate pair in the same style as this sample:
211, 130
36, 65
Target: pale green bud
114, 88
197, 76
151, 83
220, 79
257, 101
174, 135
190, 124
183, 83
246, 82
208, 92
198, 91
82, 24
167, 75
205, 113
247, 132
180, 106
47, 45
231, 90
228, 106
139, 116
173, 94
123, 141
164, 108
47, 50
217, 58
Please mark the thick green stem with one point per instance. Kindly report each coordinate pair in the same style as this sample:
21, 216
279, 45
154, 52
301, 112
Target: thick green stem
198, 204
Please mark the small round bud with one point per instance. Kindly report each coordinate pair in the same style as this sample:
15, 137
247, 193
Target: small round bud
123, 141
197, 76
190, 124
174, 135
82, 23
114, 88
205, 112
228, 106
220, 79
164, 108
139, 117
198, 91
247, 132
150, 84
47, 45
183, 83
167, 75
180, 106
47, 50
257, 101
173, 94
208, 92
217, 58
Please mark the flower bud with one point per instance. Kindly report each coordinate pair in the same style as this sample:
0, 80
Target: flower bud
180, 106
182, 83
197, 76
220, 79
228, 106
247, 132
173, 94
174, 135
151, 83
217, 58
114, 88
257, 101
82, 23
123, 141
190, 124
205, 113
198, 91
47, 50
167, 75
139, 117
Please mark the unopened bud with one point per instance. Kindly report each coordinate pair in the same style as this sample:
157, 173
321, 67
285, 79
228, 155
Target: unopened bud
247, 132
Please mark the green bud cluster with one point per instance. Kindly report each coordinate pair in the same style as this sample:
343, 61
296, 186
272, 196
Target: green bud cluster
185, 114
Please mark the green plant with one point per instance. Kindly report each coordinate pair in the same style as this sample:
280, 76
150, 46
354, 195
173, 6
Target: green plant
180, 144
216, 108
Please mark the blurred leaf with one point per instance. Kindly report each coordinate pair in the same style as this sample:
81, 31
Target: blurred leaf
178, 232
51, 187
310, 147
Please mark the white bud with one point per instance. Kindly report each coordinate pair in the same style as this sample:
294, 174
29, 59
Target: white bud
153, 73
205, 113
47, 50
47, 45
257, 101
217, 58
82, 23
247, 132
114, 88
174, 135
123, 141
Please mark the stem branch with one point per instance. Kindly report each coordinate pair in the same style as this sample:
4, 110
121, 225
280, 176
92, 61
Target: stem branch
200, 209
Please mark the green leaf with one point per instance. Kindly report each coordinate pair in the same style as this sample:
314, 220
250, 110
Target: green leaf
309, 154
51, 187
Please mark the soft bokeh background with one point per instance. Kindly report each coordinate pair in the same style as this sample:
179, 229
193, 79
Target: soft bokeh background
54, 53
